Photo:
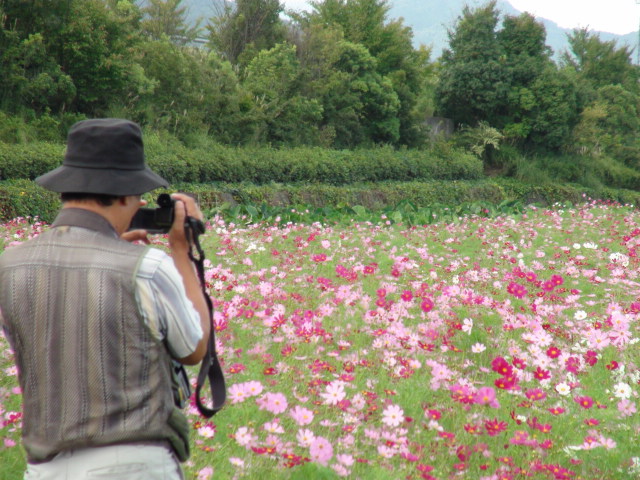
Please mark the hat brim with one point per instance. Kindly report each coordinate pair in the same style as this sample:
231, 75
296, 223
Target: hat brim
101, 181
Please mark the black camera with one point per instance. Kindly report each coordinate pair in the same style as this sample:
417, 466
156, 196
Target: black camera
155, 220
159, 220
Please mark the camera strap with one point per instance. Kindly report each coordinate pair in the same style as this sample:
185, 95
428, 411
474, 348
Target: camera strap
210, 368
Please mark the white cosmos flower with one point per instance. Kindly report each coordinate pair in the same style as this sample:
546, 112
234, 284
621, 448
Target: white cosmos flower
563, 389
478, 348
622, 390
580, 315
467, 325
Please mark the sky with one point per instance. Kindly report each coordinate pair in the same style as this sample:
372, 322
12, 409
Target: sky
614, 16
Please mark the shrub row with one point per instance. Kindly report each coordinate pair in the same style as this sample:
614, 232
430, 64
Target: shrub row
25, 198
217, 163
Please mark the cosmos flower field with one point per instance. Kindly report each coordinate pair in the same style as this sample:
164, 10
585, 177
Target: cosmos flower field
490, 348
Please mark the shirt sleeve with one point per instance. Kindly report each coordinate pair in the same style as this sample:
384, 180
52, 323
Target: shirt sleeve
164, 304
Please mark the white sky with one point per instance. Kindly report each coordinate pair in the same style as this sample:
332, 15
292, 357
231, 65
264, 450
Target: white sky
614, 16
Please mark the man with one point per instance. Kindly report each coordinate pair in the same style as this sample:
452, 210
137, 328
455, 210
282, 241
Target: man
95, 320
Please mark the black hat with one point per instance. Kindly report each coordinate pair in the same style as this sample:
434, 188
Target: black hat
104, 156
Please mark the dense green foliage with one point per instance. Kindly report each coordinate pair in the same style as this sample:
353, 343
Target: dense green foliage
260, 165
415, 202
336, 96
341, 75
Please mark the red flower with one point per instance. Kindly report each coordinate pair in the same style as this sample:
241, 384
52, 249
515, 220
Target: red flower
434, 414
407, 295
494, 427
613, 365
426, 305
516, 290
541, 374
535, 394
553, 352
506, 383
501, 366
584, 402
519, 363
591, 358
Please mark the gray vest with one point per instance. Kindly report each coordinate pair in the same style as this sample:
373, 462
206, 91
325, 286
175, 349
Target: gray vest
91, 372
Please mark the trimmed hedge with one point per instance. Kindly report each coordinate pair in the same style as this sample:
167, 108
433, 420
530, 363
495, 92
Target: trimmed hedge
218, 163
25, 198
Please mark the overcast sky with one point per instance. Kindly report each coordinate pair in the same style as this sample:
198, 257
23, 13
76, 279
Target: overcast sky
614, 16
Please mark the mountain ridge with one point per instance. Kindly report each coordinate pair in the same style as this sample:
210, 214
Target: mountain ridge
430, 20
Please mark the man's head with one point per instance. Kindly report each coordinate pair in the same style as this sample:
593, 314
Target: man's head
105, 157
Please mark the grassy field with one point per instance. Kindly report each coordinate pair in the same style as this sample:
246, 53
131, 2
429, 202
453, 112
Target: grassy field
485, 348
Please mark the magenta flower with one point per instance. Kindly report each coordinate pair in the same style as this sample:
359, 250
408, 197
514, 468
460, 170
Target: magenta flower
426, 305
584, 402
535, 394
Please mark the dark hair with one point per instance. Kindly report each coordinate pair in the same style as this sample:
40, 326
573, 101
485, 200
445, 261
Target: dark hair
100, 198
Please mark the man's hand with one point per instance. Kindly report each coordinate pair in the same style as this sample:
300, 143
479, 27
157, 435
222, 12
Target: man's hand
185, 205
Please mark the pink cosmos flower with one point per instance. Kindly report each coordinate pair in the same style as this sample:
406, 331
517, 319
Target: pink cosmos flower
392, 416
321, 450
275, 403
238, 392
486, 396
205, 474
345, 459
253, 388
334, 393
626, 407
598, 339
244, 437
305, 437
302, 416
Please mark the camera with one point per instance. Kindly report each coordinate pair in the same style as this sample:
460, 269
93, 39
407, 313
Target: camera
160, 220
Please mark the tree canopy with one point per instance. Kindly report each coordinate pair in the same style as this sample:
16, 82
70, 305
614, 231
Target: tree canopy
341, 75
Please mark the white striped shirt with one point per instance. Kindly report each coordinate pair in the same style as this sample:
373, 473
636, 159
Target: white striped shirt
164, 305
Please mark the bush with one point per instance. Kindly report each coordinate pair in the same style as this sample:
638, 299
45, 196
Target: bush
29, 160
23, 198
260, 165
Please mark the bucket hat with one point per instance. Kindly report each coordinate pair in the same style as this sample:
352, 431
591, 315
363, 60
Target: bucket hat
104, 156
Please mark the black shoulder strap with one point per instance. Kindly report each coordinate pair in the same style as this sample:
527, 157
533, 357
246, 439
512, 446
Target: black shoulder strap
210, 368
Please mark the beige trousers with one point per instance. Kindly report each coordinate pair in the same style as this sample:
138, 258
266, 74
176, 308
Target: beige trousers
115, 462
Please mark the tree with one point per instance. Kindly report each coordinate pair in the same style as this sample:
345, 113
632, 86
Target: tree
365, 22
599, 62
168, 17
281, 113
474, 80
610, 126
97, 51
69, 54
245, 28
193, 91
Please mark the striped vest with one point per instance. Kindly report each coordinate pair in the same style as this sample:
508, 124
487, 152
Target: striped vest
90, 370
